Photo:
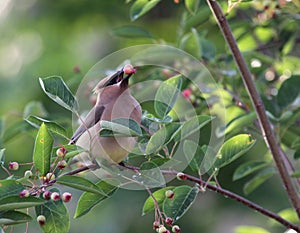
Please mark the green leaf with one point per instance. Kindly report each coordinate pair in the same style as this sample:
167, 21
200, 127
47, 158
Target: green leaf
56, 214
232, 149
190, 43
288, 91
166, 95
13, 217
247, 168
194, 154
192, 5
58, 91
184, 196
141, 7
42, 150
131, 32
259, 179
10, 187
208, 49
88, 200
14, 131
250, 229
120, 127
51, 126
237, 124
288, 214
80, 183
159, 196
161, 137
192, 126
34, 108
15, 202
150, 175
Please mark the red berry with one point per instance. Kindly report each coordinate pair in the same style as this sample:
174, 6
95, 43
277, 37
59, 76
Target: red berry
55, 196
169, 194
41, 219
47, 195
60, 152
169, 221
62, 164
24, 193
186, 93
76, 69
13, 166
176, 229
156, 225
129, 69
66, 197
181, 176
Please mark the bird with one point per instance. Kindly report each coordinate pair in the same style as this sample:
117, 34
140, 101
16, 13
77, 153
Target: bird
114, 101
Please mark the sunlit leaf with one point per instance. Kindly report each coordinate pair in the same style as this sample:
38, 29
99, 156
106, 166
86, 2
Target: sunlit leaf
192, 5
247, 168
56, 214
161, 137
184, 196
233, 149
51, 126
13, 217
131, 32
259, 179
88, 200
159, 196
141, 7
289, 214
80, 183
15, 202
2, 157
58, 91
42, 150
166, 95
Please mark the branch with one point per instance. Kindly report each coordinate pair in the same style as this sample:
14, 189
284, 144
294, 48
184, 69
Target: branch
276, 150
238, 198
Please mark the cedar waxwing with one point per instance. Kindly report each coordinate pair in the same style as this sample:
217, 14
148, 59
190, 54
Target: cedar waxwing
113, 101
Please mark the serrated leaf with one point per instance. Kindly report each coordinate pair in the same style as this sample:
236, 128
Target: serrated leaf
232, 149
290, 86
131, 32
150, 175
166, 95
59, 92
120, 127
184, 196
248, 229
34, 108
259, 179
15, 202
42, 150
247, 168
161, 137
88, 200
51, 126
194, 154
159, 196
192, 126
13, 217
192, 5
80, 183
56, 214
141, 7
10, 187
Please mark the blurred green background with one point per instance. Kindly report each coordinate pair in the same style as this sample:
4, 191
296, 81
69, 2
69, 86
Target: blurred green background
43, 38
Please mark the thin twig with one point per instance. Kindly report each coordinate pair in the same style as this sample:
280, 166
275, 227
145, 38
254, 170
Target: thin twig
238, 198
276, 150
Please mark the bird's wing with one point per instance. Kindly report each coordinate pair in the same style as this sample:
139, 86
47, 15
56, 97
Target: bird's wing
92, 118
